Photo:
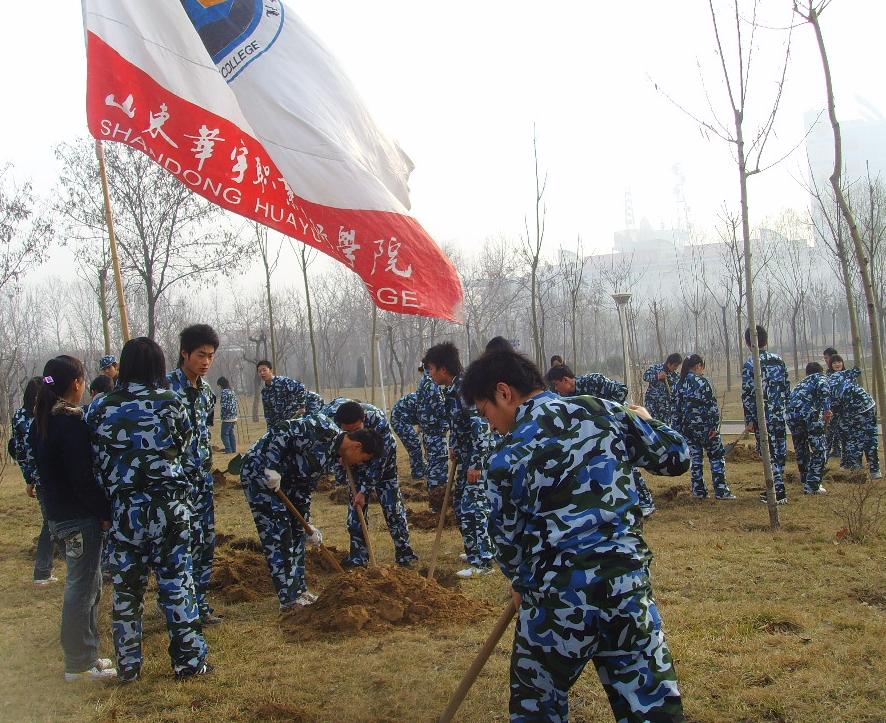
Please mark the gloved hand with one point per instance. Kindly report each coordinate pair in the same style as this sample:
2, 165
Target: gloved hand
272, 479
315, 539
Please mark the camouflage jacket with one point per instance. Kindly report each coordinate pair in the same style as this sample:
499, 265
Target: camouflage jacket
565, 510
140, 438
313, 402
21, 449
848, 398
470, 436
405, 410
776, 388
301, 450
283, 398
809, 400
696, 412
661, 391
596, 385
198, 401
433, 413
230, 409
380, 470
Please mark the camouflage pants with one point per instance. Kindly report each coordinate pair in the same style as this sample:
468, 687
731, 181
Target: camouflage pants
391, 502
203, 543
832, 438
282, 536
700, 442
858, 434
411, 441
647, 504
810, 445
154, 532
472, 509
618, 628
437, 451
659, 407
778, 450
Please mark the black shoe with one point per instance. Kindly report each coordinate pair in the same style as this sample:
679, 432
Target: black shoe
129, 677
351, 564
204, 669
408, 562
210, 619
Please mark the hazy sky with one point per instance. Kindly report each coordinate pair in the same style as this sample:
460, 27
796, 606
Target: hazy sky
460, 85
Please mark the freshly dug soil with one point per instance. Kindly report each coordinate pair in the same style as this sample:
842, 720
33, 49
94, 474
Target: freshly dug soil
240, 575
317, 564
326, 483
853, 477
428, 519
743, 453
339, 495
222, 480
374, 600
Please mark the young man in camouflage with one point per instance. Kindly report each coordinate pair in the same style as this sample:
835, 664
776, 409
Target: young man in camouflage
291, 456
566, 525
313, 402
197, 346
404, 418
379, 476
809, 409
141, 433
856, 416
108, 366
282, 398
433, 418
662, 378
776, 388
566, 384
469, 442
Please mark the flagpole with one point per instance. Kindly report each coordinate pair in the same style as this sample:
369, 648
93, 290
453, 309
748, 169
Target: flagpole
115, 260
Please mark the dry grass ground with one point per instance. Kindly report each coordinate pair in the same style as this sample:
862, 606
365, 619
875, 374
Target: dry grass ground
779, 627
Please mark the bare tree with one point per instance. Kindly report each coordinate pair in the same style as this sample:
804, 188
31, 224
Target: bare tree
572, 272
25, 232
531, 251
269, 259
306, 255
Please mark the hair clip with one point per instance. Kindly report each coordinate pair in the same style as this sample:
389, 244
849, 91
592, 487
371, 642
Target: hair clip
48, 380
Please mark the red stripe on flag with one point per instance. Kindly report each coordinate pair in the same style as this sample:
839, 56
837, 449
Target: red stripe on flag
401, 265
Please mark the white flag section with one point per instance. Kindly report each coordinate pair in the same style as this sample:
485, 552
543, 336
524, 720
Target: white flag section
241, 102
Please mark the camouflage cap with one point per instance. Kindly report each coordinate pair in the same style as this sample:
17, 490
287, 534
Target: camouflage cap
106, 361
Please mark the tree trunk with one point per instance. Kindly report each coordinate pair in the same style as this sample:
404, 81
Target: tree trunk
103, 309
727, 351
372, 356
270, 302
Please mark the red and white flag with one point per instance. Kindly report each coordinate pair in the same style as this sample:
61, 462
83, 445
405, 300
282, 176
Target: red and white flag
243, 104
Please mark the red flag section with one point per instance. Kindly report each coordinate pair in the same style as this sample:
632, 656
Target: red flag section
403, 268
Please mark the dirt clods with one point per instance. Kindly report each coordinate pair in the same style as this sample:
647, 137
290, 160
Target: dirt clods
240, 573
428, 519
339, 495
743, 453
316, 563
375, 599
847, 476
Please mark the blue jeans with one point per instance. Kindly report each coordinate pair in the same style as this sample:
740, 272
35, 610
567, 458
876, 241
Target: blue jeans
45, 546
229, 438
83, 540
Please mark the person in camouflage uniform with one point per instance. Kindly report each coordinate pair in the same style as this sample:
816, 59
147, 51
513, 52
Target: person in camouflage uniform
469, 441
379, 476
21, 452
832, 441
198, 344
282, 398
140, 435
314, 403
566, 384
291, 456
109, 366
776, 390
404, 418
662, 378
809, 409
566, 525
433, 418
856, 416
697, 418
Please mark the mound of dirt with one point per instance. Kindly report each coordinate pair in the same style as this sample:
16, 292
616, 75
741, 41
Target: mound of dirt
428, 519
743, 453
317, 564
326, 483
238, 543
374, 600
414, 492
240, 575
847, 476
339, 495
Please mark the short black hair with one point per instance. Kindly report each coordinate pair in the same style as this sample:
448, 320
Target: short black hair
814, 368
762, 336
508, 367
196, 335
102, 384
265, 363
555, 374
142, 362
499, 343
349, 412
834, 358
444, 356
556, 359
29, 398
370, 440
223, 383
830, 351
674, 358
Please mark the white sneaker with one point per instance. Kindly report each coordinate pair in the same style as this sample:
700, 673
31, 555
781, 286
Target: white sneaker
104, 664
310, 596
473, 571
820, 491
305, 599
94, 673
43, 582
463, 557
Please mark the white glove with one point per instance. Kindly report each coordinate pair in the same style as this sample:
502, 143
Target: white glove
272, 479
316, 538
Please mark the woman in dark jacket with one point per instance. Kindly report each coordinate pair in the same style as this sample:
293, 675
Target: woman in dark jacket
77, 509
